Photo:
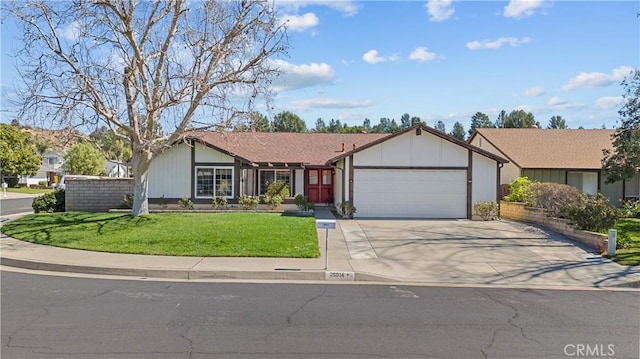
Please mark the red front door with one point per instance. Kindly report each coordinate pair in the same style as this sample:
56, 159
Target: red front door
320, 185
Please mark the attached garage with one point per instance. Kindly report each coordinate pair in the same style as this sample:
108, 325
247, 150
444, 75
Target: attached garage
411, 193
418, 173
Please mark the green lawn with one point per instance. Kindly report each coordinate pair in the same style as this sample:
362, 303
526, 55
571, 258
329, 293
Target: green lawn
180, 234
27, 190
630, 256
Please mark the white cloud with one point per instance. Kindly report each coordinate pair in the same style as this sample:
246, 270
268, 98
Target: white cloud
556, 101
496, 44
72, 31
331, 103
421, 54
597, 79
521, 8
346, 7
608, 102
534, 91
300, 22
439, 10
299, 76
372, 57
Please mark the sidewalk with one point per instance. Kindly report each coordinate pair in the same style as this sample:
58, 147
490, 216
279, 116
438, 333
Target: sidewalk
352, 256
13, 195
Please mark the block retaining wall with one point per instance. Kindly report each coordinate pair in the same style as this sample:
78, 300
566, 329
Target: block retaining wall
96, 195
522, 213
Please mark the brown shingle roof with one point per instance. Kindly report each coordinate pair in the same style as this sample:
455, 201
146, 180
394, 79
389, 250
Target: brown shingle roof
550, 148
285, 147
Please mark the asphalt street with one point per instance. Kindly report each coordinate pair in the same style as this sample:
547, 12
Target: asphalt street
66, 317
15, 205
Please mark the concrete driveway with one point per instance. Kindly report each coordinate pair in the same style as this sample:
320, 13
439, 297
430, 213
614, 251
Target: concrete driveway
461, 251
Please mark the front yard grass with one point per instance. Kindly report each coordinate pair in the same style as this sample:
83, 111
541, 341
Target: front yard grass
631, 255
176, 234
27, 190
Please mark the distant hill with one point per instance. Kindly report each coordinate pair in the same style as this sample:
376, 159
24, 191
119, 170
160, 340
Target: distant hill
59, 141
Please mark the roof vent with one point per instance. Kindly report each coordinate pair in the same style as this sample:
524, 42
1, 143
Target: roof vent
418, 131
354, 146
342, 146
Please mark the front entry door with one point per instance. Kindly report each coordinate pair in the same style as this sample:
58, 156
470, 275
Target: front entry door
320, 185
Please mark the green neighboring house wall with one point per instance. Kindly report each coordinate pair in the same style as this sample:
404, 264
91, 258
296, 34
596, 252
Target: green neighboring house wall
553, 176
613, 191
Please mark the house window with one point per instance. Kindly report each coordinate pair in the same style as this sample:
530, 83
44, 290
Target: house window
270, 176
632, 187
214, 181
587, 182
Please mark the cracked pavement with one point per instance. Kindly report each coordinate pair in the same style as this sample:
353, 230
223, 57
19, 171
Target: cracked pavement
62, 317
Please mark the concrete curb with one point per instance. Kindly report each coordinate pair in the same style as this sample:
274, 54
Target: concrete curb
294, 275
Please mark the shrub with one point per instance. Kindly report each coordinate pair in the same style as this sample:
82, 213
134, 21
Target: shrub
556, 198
220, 202
127, 201
278, 188
519, 190
163, 202
43, 183
630, 209
593, 214
49, 202
346, 209
300, 201
272, 201
248, 202
185, 203
487, 210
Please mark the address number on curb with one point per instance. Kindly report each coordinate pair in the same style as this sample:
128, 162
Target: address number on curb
332, 275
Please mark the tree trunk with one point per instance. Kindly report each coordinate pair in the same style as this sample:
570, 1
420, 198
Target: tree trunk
141, 161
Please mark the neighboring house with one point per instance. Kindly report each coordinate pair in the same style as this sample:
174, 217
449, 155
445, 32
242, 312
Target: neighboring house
50, 171
415, 173
117, 169
566, 156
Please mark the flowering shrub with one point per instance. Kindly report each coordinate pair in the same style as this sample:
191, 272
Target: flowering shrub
248, 202
556, 198
593, 214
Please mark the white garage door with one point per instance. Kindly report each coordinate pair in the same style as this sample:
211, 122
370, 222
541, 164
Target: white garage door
410, 193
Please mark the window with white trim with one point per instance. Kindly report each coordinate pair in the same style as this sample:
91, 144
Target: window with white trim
269, 176
214, 182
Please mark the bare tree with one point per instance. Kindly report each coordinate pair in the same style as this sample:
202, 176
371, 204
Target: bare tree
153, 69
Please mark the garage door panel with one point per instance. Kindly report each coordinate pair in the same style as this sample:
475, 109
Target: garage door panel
410, 193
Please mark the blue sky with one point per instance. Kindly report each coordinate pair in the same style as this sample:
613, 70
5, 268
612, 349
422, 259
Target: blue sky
446, 60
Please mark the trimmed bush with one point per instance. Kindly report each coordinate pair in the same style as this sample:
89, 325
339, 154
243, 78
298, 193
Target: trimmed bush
594, 214
556, 198
185, 203
630, 209
219, 203
519, 191
487, 210
49, 202
300, 201
248, 202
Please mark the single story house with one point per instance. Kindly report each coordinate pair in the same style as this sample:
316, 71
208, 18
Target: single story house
50, 171
568, 156
415, 173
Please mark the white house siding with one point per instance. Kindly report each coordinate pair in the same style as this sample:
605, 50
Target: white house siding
509, 171
298, 186
409, 149
170, 173
484, 175
337, 182
209, 155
